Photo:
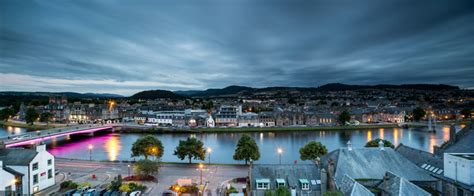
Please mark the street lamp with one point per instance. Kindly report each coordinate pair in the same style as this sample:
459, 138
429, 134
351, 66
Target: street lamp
201, 166
209, 150
279, 151
128, 169
90, 147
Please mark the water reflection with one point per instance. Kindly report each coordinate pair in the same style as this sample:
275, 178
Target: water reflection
116, 146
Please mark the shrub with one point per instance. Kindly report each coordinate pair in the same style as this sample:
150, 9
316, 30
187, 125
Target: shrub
139, 178
137, 187
125, 188
333, 193
85, 184
69, 185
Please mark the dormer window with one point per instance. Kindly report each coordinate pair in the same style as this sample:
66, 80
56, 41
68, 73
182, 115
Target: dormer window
280, 182
304, 183
263, 183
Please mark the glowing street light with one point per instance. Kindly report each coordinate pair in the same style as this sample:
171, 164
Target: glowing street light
90, 147
201, 167
209, 150
279, 151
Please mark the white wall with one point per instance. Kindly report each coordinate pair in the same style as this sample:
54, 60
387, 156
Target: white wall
6, 179
459, 168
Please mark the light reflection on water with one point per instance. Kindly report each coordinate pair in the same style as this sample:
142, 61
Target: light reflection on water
116, 146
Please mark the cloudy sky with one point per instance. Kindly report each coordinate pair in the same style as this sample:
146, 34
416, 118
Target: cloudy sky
127, 46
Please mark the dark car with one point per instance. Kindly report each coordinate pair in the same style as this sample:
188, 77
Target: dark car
70, 192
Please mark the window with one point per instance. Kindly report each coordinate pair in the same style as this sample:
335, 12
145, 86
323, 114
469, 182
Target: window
304, 184
280, 182
50, 161
50, 173
35, 166
35, 179
263, 183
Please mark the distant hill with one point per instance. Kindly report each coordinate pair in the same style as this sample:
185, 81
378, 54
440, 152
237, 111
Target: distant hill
156, 94
236, 90
343, 87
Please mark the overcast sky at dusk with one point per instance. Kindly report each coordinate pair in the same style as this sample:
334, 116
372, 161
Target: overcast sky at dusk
116, 47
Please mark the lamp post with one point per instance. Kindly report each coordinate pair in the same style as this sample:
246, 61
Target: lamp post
201, 166
90, 147
209, 150
279, 151
128, 169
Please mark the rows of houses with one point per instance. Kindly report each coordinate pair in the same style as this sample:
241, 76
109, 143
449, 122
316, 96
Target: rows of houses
377, 171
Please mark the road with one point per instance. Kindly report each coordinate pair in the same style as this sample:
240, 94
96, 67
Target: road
82, 171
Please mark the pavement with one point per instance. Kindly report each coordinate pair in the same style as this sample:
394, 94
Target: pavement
82, 171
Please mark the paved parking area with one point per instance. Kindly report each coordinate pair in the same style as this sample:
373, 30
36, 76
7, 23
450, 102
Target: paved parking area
82, 171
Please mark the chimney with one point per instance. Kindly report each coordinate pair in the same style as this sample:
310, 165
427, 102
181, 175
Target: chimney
1, 164
381, 144
452, 133
349, 145
41, 148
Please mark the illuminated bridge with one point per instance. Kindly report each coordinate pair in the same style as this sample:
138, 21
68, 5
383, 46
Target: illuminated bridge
44, 135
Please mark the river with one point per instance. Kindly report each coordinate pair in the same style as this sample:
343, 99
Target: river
116, 146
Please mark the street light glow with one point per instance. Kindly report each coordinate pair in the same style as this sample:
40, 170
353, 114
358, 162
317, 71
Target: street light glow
201, 165
280, 150
209, 150
90, 147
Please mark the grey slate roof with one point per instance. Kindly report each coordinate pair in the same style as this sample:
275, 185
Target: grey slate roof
14, 156
419, 157
464, 142
373, 163
290, 172
12, 171
395, 185
350, 187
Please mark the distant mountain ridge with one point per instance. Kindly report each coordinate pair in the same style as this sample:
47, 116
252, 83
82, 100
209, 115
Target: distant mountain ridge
234, 90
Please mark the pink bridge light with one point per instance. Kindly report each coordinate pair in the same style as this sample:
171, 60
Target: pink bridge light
32, 141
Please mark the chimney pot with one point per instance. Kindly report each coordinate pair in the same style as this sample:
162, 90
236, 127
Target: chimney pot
349, 145
381, 146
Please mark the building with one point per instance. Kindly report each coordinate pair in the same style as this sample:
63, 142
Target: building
249, 119
10, 181
394, 185
36, 167
228, 116
300, 179
458, 174
369, 166
266, 119
350, 187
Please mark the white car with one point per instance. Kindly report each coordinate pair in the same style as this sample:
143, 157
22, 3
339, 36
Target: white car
135, 193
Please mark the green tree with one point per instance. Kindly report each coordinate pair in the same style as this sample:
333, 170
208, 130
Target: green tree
116, 183
418, 113
344, 117
466, 112
31, 116
147, 146
312, 151
191, 148
246, 149
6, 113
46, 117
375, 143
282, 191
146, 167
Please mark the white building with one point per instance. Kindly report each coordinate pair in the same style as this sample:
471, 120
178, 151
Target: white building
36, 165
9, 180
459, 167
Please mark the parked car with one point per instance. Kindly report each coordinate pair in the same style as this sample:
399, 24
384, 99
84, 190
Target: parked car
100, 192
70, 192
78, 193
107, 193
135, 193
89, 192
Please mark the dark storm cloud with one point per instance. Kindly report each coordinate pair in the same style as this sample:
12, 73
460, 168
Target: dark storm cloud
124, 47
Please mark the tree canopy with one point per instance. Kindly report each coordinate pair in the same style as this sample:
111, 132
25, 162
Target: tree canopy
246, 149
375, 143
146, 167
344, 117
31, 115
418, 113
190, 148
46, 117
147, 146
466, 112
312, 150
6, 113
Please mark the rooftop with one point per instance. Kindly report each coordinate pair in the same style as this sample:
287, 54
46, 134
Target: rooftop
17, 156
291, 173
